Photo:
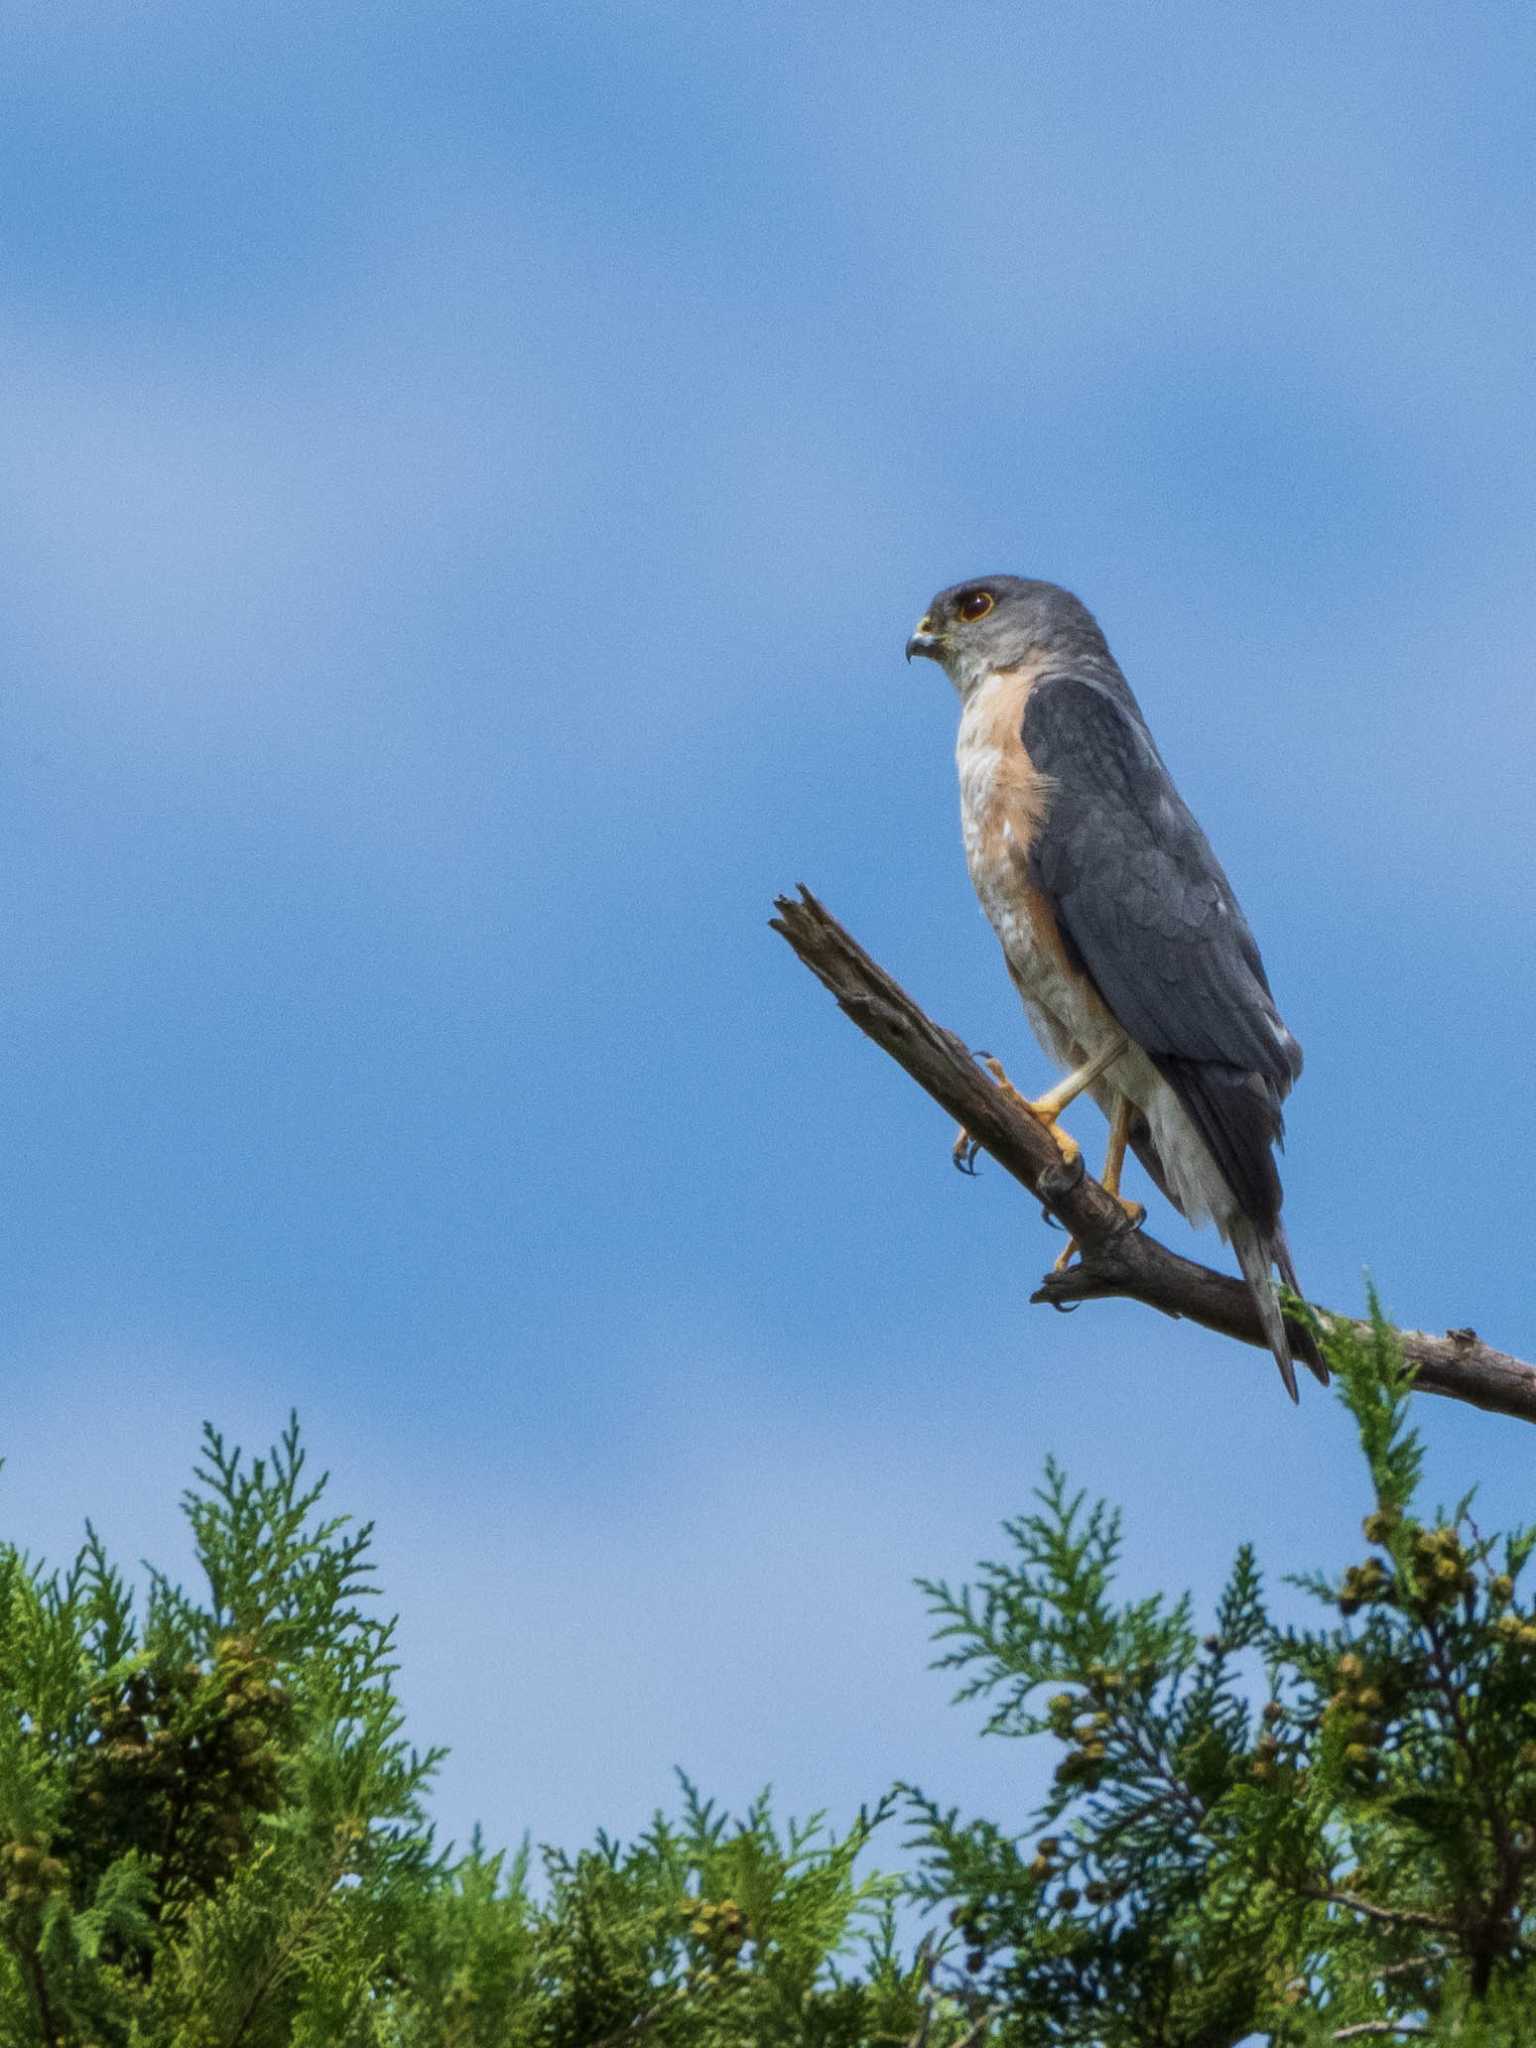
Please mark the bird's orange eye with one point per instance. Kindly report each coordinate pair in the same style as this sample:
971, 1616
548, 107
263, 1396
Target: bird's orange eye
976, 604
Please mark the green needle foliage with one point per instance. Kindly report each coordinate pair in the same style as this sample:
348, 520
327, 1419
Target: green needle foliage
213, 1831
1256, 1832
213, 1835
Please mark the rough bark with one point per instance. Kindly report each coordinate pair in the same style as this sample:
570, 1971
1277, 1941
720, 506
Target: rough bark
1116, 1259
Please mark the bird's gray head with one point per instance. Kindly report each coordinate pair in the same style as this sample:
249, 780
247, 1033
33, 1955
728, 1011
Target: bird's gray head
994, 622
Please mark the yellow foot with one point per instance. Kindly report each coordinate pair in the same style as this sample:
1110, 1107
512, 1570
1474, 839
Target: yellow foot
964, 1151
1045, 1111
1135, 1216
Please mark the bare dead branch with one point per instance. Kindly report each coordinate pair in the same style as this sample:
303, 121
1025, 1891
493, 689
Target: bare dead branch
1392, 1916
1364, 2029
1411, 1966
1116, 1260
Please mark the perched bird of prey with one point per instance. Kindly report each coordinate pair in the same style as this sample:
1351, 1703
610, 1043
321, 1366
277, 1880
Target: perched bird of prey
1121, 932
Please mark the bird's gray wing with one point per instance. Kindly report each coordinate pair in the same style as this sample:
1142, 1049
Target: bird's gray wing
1143, 903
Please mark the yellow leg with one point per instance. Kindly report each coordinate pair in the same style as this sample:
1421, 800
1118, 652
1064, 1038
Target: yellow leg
1048, 1107
1114, 1159
1114, 1163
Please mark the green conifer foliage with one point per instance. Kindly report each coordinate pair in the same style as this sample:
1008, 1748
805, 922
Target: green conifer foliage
213, 1830
213, 1835
1257, 1832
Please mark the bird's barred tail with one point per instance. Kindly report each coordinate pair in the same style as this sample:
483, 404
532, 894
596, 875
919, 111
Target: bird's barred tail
1257, 1252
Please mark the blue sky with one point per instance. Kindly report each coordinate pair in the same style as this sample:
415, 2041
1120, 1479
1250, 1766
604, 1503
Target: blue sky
471, 471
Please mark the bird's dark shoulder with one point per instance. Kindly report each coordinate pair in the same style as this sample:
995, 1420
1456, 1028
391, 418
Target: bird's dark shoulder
1136, 888
1089, 737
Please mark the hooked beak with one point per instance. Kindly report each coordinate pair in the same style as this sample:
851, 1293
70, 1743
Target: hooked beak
924, 640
